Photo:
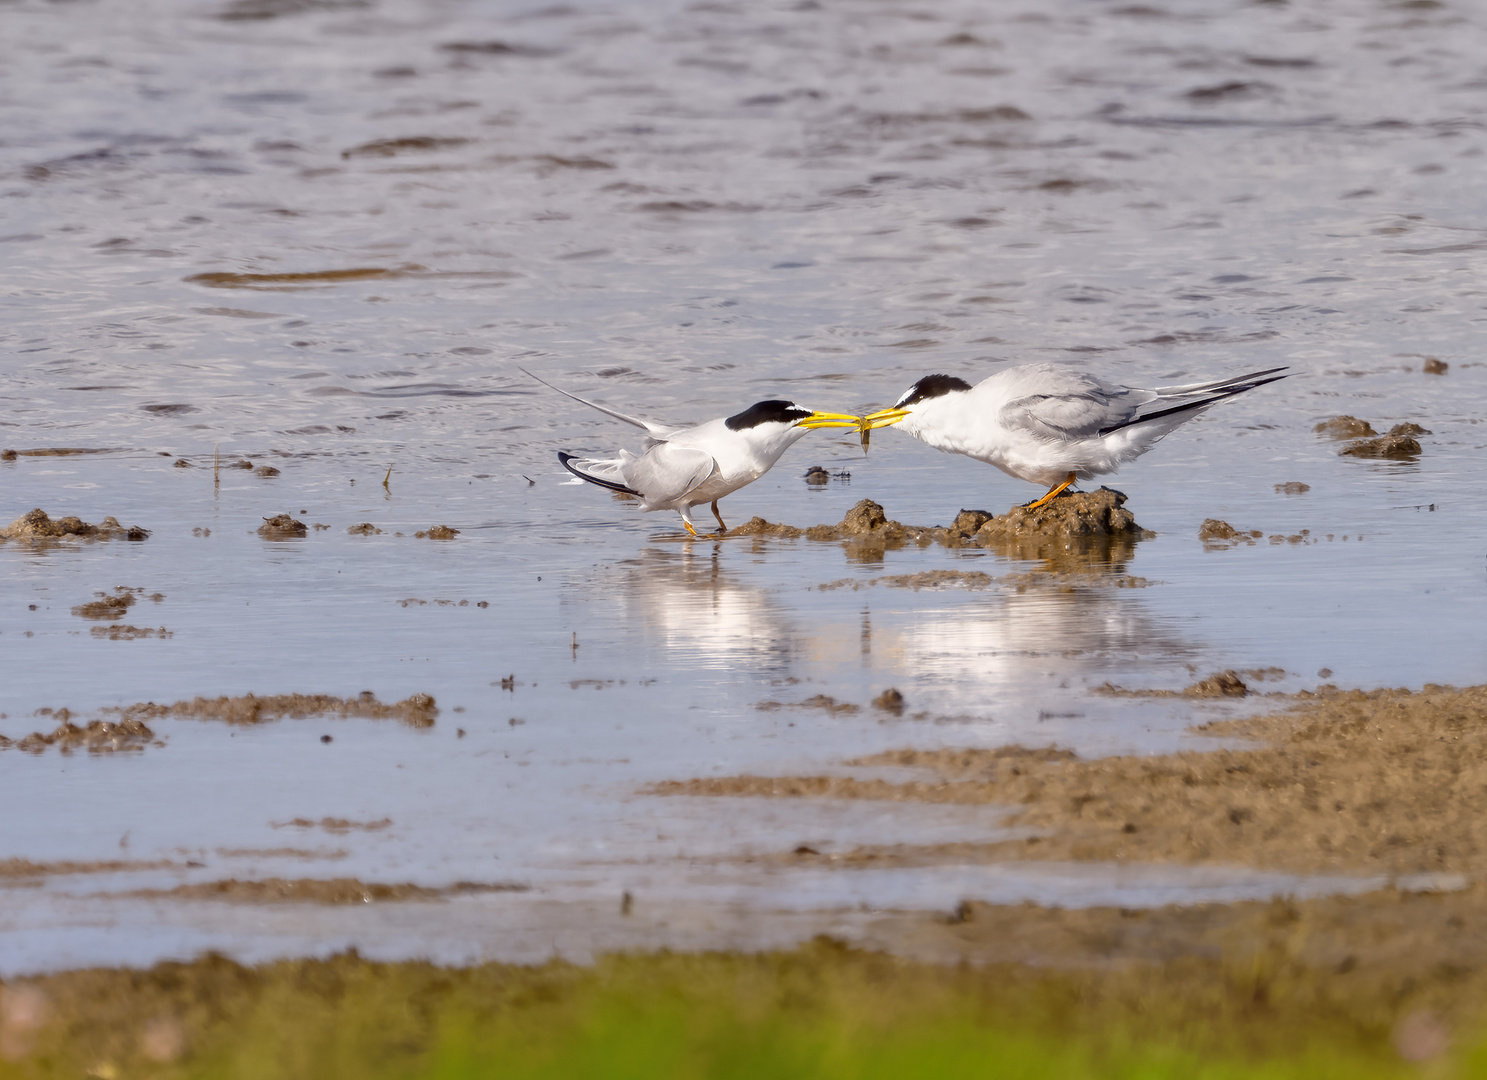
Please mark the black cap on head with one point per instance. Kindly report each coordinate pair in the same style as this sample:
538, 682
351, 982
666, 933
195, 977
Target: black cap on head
764, 412
931, 386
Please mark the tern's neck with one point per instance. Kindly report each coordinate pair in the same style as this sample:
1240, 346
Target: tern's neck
786, 439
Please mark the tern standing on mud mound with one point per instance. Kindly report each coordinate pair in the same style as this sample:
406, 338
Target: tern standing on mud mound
686, 467
1049, 425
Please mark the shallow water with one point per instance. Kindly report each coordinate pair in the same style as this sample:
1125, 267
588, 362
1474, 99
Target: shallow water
679, 209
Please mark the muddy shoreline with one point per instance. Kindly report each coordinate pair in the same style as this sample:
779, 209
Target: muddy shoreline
1384, 781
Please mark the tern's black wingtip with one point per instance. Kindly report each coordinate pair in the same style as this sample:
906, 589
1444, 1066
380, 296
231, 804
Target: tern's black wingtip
564, 459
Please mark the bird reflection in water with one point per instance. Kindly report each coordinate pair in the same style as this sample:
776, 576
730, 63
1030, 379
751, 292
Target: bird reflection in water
979, 639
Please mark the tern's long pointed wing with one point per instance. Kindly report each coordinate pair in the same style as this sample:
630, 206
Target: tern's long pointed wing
666, 473
656, 431
1254, 377
1072, 415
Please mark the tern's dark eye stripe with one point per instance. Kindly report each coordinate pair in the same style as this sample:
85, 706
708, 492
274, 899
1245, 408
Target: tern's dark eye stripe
764, 412
931, 386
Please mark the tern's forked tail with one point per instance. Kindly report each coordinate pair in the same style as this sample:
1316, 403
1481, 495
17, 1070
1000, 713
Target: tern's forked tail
1203, 395
604, 473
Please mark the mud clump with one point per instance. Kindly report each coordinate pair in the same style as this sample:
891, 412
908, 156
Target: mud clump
336, 825
1434, 366
1075, 530
1076, 533
437, 532
106, 606
1345, 427
125, 632
758, 526
98, 737
366, 528
864, 519
1220, 534
968, 523
37, 525
1397, 444
1409, 428
310, 891
1290, 487
1393, 447
820, 701
1219, 684
865, 522
266, 471
418, 711
890, 700
282, 527
1075, 514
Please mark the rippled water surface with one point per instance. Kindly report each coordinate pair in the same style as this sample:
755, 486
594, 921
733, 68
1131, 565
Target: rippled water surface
321, 235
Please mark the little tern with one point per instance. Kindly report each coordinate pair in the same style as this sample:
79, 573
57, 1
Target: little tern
1047, 424
685, 467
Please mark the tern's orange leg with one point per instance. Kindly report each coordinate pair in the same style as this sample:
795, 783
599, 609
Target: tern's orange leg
1053, 493
721, 526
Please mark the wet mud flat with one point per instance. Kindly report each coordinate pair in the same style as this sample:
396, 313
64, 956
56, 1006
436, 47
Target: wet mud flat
1386, 781
126, 728
1383, 782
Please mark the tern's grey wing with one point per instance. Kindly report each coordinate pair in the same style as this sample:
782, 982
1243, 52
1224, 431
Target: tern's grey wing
665, 473
654, 430
1080, 414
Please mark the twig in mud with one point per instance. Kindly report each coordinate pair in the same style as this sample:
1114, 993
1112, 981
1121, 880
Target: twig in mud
385, 479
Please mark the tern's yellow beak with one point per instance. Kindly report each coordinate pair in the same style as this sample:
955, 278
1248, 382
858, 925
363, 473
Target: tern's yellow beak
830, 419
881, 418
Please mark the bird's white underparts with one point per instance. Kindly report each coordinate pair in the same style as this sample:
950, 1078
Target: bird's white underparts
1050, 425
680, 468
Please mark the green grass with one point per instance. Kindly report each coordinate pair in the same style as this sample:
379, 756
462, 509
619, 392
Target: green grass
820, 1011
